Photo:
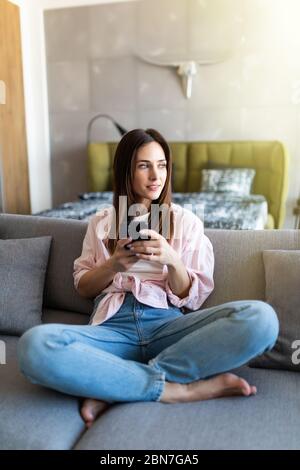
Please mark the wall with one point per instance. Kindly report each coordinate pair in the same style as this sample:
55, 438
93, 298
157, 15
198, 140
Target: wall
255, 94
36, 95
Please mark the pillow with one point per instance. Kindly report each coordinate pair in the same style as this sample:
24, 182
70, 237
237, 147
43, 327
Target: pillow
229, 180
282, 273
23, 264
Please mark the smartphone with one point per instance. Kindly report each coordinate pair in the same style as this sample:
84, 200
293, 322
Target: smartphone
135, 228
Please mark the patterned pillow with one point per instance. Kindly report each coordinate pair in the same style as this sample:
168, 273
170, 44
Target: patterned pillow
229, 180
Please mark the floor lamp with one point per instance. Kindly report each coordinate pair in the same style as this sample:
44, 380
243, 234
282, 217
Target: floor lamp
120, 128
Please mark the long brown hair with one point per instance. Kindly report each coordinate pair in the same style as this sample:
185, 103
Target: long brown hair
123, 174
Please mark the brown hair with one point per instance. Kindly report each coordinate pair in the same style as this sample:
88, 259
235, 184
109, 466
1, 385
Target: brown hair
123, 173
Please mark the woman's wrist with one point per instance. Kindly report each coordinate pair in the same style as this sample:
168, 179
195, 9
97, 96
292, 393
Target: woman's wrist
179, 280
174, 260
110, 266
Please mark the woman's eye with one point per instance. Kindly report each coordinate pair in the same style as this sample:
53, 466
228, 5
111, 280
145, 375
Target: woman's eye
144, 165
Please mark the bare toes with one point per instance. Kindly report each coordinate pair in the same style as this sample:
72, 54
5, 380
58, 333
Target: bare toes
91, 409
235, 385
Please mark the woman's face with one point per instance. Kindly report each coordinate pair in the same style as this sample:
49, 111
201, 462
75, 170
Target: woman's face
150, 173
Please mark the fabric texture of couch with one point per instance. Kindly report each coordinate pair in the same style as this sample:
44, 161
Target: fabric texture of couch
32, 417
268, 159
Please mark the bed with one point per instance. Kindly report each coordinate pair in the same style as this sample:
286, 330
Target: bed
262, 207
215, 210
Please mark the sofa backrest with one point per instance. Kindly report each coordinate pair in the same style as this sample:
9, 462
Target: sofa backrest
269, 159
239, 269
67, 237
239, 272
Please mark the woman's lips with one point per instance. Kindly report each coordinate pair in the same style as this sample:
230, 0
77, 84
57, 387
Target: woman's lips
153, 188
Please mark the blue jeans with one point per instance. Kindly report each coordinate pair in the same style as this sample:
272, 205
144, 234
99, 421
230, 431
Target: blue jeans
130, 356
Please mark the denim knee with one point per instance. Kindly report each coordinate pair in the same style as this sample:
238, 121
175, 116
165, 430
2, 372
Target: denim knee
262, 324
30, 349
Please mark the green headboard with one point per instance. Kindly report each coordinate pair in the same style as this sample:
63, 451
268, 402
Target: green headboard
269, 159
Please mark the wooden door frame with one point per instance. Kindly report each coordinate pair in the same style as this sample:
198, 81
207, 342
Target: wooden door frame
13, 141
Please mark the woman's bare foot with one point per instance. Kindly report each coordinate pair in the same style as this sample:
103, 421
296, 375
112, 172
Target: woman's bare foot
222, 385
91, 409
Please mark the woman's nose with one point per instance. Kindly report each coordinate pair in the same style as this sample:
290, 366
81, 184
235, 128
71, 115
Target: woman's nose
154, 173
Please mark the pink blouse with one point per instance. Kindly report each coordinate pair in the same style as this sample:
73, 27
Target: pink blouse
193, 247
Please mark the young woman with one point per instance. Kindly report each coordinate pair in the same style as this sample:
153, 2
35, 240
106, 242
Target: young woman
147, 339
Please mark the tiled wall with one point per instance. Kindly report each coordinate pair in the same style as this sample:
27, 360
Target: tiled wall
92, 68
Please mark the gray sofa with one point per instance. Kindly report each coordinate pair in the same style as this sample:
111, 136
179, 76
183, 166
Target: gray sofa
32, 417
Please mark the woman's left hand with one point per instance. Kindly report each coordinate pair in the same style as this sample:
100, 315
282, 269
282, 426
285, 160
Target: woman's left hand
156, 249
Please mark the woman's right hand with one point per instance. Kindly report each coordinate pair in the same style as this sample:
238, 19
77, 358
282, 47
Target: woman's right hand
122, 259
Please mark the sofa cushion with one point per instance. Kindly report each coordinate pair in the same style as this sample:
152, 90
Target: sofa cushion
67, 238
239, 268
234, 180
33, 417
268, 420
23, 264
282, 271
61, 316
